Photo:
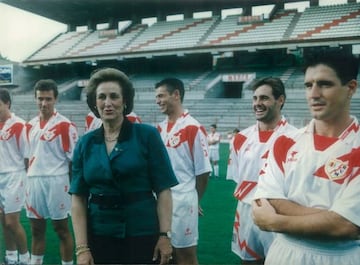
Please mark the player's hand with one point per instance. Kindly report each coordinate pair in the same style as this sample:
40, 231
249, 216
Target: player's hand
163, 249
263, 214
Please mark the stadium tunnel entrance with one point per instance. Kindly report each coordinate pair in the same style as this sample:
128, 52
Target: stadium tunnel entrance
232, 90
229, 85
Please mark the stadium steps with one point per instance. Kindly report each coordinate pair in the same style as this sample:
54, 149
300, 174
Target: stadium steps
139, 29
292, 25
209, 30
194, 85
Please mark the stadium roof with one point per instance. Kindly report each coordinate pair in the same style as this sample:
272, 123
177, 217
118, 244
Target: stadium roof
79, 12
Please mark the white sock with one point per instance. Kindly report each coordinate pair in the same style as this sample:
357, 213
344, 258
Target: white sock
25, 258
67, 262
36, 259
216, 170
11, 255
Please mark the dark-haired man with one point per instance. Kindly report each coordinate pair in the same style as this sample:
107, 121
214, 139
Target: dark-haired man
185, 140
248, 154
309, 191
52, 138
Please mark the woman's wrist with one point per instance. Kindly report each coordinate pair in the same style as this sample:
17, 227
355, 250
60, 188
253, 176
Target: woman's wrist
82, 248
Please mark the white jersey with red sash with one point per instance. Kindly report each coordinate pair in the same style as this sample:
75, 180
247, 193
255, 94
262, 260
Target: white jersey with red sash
186, 143
50, 145
316, 171
248, 155
13, 144
320, 172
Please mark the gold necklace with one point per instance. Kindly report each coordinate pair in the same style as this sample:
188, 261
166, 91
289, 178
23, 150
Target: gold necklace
112, 138
109, 139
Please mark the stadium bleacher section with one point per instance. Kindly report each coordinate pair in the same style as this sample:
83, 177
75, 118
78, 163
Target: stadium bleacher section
172, 35
281, 32
318, 22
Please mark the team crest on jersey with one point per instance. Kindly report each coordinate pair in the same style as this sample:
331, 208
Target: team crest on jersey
336, 169
5, 135
48, 135
174, 140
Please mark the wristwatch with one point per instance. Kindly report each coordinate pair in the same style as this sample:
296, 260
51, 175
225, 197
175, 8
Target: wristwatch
166, 234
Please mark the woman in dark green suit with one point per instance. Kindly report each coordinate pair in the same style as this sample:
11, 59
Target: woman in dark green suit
121, 179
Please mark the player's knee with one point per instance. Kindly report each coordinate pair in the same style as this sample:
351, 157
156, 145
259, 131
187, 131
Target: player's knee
186, 256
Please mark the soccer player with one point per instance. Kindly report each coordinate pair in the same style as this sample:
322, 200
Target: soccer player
92, 122
12, 181
248, 155
214, 143
186, 143
309, 190
231, 136
52, 138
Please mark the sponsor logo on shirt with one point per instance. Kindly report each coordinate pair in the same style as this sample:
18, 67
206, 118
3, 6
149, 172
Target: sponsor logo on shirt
292, 157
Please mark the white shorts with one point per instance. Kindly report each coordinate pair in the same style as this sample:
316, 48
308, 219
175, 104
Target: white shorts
287, 250
12, 191
214, 154
48, 197
185, 219
248, 241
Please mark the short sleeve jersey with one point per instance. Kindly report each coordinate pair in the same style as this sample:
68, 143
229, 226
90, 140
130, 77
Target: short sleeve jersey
316, 171
50, 145
13, 145
214, 137
248, 155
187, 147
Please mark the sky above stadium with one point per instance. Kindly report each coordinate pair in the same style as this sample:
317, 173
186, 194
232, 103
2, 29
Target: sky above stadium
22, 33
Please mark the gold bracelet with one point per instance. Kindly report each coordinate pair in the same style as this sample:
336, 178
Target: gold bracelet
83, 250
78, 247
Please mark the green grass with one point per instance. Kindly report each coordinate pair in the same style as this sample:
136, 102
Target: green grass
215, 227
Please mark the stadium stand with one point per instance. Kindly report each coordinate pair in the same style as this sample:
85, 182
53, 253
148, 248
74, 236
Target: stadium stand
318, 22
267, 31
200, 51
94, 44
172, 35
60, 45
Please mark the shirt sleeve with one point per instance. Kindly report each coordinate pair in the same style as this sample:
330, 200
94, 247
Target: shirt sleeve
271, 184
